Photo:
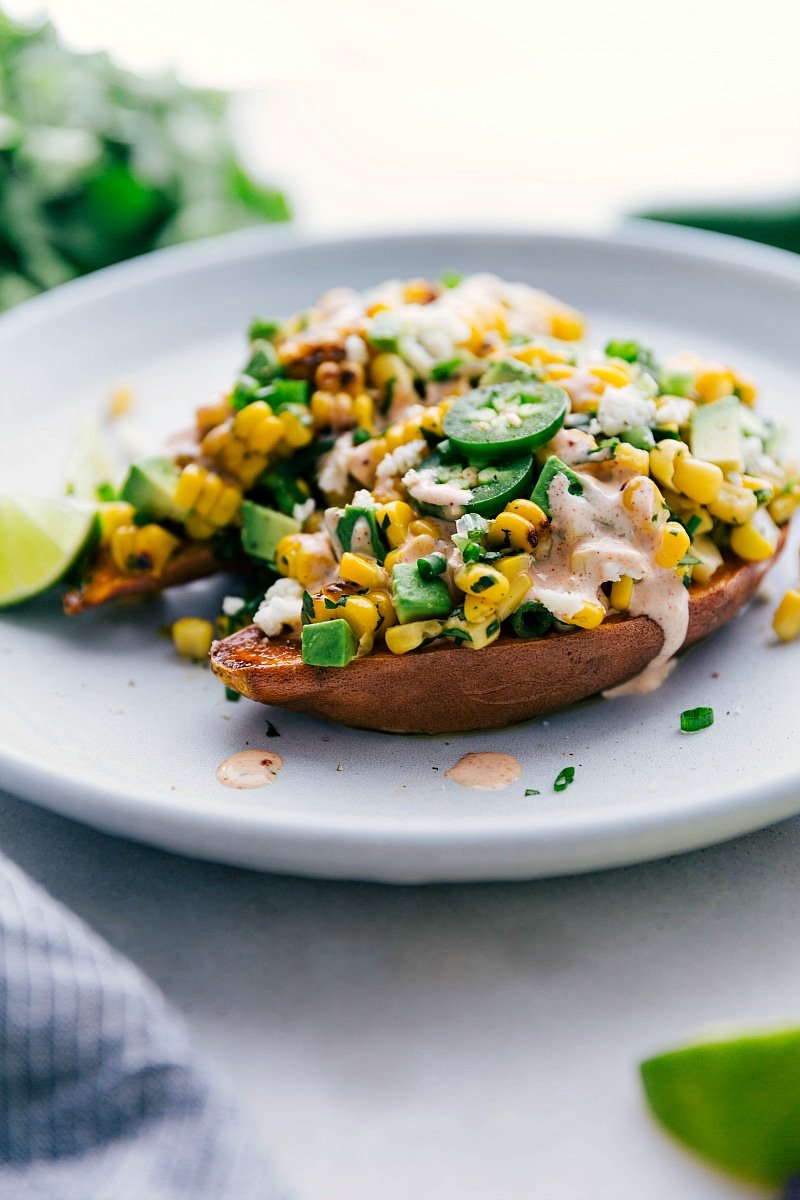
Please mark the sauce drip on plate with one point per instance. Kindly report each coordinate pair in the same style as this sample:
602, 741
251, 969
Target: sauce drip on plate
487, 771
250, 769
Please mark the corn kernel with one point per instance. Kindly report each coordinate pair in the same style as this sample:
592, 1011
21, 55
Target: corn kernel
745, 389
121, 401
514, 564
112, 516
296, 431
210, 415
530, 512
210, 493
123, 547
361, 615
248, 417
640, 495
192, 637
535, 354
483, 633
673, 544
265, 436
391, 375
190, 481
232, 456
478, 609
632, 458
364, 412
402, 638
479, 580
662, 459
214, 440
567, 325
709, 555
699, 480
734, 505
782, 507
198, 528
510, 529
713, 382
431, 420
392, 559
394, 519
520, 586
556, 371
153, 546
786, 621
421, 526
589, 616
383, 602
621, 592
226, 508
363, 571
756, 540
611, 373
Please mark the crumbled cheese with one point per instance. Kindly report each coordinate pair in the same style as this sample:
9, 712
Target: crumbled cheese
364, 499
355, 348
301, 512
401, 460
282, 606
623, 408
674, 410
334, 475
231, 605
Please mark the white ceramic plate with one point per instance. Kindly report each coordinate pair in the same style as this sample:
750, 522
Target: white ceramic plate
100, 720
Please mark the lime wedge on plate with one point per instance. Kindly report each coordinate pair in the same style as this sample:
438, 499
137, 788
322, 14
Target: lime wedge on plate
734, 1102
40, 539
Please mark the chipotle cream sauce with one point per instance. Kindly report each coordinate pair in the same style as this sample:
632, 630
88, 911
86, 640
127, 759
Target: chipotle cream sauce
487, 770
249, 769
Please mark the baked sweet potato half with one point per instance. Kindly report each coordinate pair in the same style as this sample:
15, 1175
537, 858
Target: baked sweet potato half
448, 689
103, 581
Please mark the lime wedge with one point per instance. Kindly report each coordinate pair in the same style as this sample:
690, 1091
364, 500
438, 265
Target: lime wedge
734, 1102
40, 539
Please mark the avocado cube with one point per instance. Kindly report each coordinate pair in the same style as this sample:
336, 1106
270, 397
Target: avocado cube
716, 433
150, 487
418, 599
329, 644
554, 466
263, 528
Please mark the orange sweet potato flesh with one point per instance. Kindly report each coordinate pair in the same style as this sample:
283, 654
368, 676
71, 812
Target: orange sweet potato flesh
448, 689
104, 581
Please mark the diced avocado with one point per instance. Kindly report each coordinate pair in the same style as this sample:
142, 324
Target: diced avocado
716, 433
554, 466
418, 599
508, 370
263, 528
639, 436
329, 644
150, 487
357, 531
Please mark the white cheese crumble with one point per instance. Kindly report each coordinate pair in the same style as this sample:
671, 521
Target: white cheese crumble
282, 605
623, 408
401, 460
675, 411
334, 475
301, 512
231, 605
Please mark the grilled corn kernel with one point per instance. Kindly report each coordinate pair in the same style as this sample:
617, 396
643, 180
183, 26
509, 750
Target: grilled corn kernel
383, 602
632, 458
198, 528
479, 580
782, 507
421, 526
510, 529
123, 547
713, 382
431, 420
153, 546
520, 586
567, 325
589, 616
612, 373
394, 519
786, 621
391, 375
112, 516
699, 480
332, 410
227, 507
190, 481
364, 411
530, 512
673, 544
363, 571
249, 417
211, 415
557, 371
192, 637
361, 615
478, 609
734, 505
514, 565
662, 460
248, 469
214, 440
535, 353
756, 540
297, 429
402, 638
265, 436
621, 592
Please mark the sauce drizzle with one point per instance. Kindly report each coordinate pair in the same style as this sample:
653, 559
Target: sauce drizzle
488, 770
249, 769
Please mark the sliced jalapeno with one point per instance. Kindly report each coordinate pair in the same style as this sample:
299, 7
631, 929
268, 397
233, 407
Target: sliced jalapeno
502, 420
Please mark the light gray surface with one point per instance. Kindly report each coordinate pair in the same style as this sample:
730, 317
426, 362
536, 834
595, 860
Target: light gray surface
452, 1042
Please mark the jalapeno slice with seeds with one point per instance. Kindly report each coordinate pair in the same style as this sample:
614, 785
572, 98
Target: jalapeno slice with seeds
503, 420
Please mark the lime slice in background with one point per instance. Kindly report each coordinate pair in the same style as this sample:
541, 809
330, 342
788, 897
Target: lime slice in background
735, 1102
40, 539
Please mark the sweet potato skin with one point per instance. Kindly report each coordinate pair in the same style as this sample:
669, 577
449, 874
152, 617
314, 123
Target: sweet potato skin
448, 689
104, 581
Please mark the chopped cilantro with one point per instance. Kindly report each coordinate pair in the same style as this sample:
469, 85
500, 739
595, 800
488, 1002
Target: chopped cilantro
532, 792
564, 778
445, 370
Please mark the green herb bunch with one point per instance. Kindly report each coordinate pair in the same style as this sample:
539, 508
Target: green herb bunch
98, 164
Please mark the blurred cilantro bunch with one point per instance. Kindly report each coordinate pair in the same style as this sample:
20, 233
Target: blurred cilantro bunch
98, 164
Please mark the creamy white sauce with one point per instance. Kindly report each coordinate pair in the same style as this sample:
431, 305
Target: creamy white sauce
595, 539
487, 770
249, 769
423, 487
